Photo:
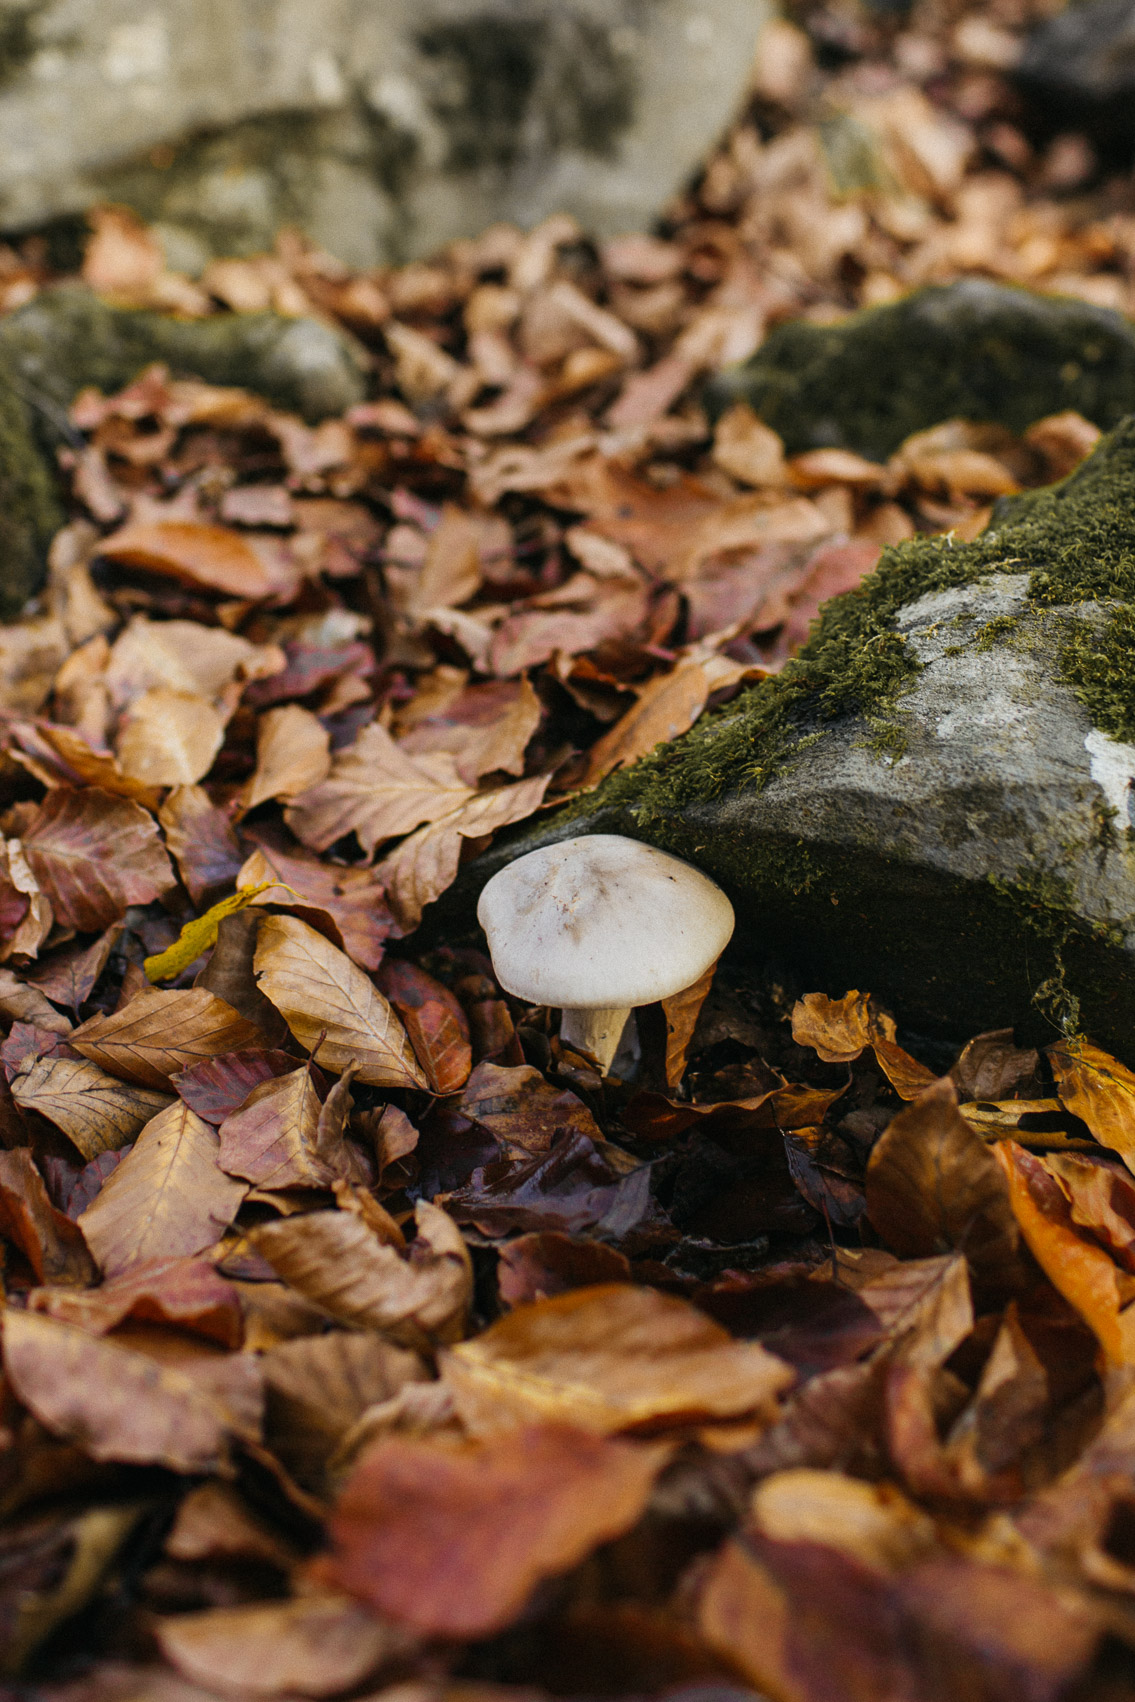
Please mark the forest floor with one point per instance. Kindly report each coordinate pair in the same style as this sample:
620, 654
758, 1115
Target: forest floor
358, 1337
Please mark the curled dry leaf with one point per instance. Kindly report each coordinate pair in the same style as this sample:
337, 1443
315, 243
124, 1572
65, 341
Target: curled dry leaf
49, 1241
1100, 1090
169, 738
212, 557
168, 1198
839, 1029
116, 1404
94, 855
67, 977
97, 1112
317, 1389
1083, 1271
424, 865
186, 1292
161, 1032
681, 1012
610, 1358
933, 1185
376, 791
293, 754
453, 1538
435, 1021
315, 1645
61, 756
273, 1139
331, 1007
23, 1002
337, 1260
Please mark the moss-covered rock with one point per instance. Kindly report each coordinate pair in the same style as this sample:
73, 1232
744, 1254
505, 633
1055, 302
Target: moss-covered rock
973, 350
933, 799
68, 338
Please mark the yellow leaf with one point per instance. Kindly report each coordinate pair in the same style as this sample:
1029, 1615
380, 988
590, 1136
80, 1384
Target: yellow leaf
197, 936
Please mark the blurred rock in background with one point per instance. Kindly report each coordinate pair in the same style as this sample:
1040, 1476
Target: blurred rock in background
382, 128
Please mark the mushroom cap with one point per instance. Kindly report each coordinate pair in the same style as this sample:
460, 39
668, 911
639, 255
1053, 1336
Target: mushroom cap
602, 921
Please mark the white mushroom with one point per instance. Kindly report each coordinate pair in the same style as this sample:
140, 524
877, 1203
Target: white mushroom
598, 925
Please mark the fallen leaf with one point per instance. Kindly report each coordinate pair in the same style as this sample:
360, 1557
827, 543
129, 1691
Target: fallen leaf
230, 976
188, 1293
352, 898
61, 756
185, 656
934, 1186
573, 1186
681, 1012
1083, 1272
839, 1029
331, 1007
293, 754
376, 791
1102, 1198
435, 1021
336, 1259
420, 869
24, 1003
160, 1032
217, 1087
272, 1139
203, 843
317, 1388
197, 936
524, 1113
485, 727
169, 738
532, 1267
96, 1111
610, 1358
315, 1646
1098, 1089
749, 450
49, 1241
667, 707
94, 856
116, 1404
211, 557
167, 1199
453, 1538
68, 976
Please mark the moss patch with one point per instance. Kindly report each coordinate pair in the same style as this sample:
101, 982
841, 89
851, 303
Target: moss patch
30, 509
974, 350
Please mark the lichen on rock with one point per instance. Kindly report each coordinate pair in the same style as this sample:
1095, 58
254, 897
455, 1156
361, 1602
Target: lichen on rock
974, 350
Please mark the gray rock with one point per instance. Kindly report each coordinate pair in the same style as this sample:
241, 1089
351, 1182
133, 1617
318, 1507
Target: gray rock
383, 129
973, 350
934, 801
1079, 70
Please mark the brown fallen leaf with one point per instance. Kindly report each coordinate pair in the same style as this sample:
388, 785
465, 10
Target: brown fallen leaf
188, 1293
68, 976
523, 1112
293, 754
162, 1031
1102, 1198
336, 1259
839, 1029
435, 1021
25, 1003
213, 1522
532, 1267
315, 1645
666, 708
168, 1198
94, 855
49, 1241
424, 865
203, 844
933, 1186
1100, 1090
273, 1138
376, 791
219, 1086
681, 1012
211, 557
610, 1358
61, 756
351, 899
169, 738
749, 450
97, 1112
485, 727
116, 1404
452, 1539
317, 1388
331, 1007
1083, 1272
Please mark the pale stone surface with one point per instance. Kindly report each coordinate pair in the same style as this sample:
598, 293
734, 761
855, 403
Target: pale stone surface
382, 127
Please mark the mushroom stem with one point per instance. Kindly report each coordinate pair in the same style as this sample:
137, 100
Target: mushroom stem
596, 1032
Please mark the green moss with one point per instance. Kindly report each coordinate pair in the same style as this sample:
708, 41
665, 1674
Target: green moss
30, 509
995, 632
1099, 667
973, 350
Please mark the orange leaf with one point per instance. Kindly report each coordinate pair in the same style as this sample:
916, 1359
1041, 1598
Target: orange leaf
212, 557
1100, 1090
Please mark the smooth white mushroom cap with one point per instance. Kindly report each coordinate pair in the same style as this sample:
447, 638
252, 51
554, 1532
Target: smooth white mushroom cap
602, 921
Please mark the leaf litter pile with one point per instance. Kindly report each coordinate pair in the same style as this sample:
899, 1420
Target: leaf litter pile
359, 1339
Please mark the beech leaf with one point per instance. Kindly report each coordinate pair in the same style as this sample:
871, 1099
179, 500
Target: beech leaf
94, 855
160, 1032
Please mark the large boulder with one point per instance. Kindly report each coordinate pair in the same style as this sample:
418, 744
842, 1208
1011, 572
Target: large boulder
1077, 72
933, 801
383, 129
973, 350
